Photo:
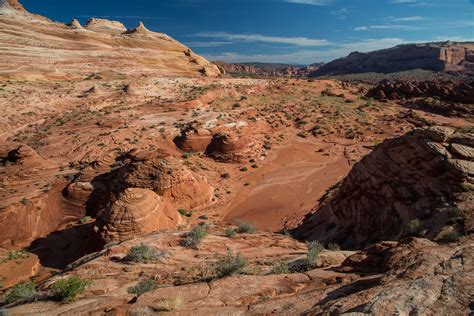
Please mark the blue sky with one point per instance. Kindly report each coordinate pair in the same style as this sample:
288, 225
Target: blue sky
286, 31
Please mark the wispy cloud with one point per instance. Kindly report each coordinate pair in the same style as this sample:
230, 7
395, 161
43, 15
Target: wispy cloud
310, 2
297, 41
307, 56
399, 27
207, 44
407, 19
340, 14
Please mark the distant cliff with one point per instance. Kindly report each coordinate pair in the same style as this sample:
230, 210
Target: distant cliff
441, 57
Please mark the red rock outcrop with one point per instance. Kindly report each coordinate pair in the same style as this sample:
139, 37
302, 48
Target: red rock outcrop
166, 175
135, 213
446, 57
232, 147
193, 138
444, 97
420, 176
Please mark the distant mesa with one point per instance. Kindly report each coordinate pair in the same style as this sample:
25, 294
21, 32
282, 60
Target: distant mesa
439, 57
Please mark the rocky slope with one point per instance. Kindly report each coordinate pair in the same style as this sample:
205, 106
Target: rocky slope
444, 97
420, 183
443, 57
46, 49
266, 70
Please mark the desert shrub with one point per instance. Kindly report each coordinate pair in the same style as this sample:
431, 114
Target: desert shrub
243, 169
142, 254
230, 232
142, 287
171, 304
193, 238
281, 268
23, 291
314, 249
229, 264
246, 228
451, 236
183, 212
414, 227
85, 219
14, 255
68, 289
333, 246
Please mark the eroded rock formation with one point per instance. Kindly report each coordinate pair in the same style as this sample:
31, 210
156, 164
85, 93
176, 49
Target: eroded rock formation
444, 97
135, 213
232, 147
419, 179
193, 138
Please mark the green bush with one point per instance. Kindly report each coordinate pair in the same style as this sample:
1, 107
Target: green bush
229, 264
14, 255
142, 287
281, 268
451, 236
183, 212
193, 238
142, 254
333, 247
230, 232
314, 249
414, 227
68, 289
23, 291
246, 228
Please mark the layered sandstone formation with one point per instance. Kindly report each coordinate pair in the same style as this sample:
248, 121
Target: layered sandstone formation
193, 138
166, 175
102, 45
135, 213
447, 57
444, 97
232, 147
423, 176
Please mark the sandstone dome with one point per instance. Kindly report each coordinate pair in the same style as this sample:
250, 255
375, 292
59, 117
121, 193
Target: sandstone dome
136, 212
193, 138
231, 147
167, 176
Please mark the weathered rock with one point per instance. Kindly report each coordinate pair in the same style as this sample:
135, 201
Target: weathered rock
231, 147
406, 178
167, 176
136, 213
193, 138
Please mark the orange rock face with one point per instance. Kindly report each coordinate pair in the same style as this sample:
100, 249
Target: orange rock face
419, 176
135, 213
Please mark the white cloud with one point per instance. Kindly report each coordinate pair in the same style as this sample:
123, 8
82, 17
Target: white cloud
310, 2
297, 41
407, 19
340, 14
399, 27
207, 44
307, 56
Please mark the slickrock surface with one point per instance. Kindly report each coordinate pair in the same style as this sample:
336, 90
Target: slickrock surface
420, 176
65, 52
